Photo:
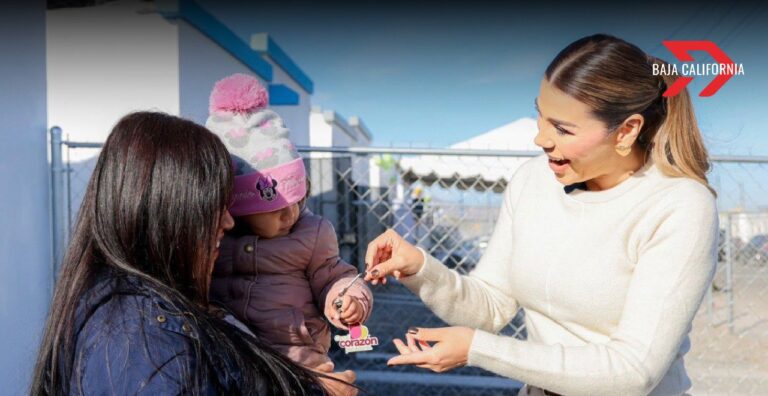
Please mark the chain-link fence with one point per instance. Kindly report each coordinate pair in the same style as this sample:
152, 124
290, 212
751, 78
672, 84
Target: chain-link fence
447, 201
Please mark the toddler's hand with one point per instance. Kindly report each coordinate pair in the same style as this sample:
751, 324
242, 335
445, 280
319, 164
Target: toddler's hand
351, 312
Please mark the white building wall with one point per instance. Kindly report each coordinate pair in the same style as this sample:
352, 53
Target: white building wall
295, 116
745, 225
106, 61
202, 62
109, 60
329, 129
321, 132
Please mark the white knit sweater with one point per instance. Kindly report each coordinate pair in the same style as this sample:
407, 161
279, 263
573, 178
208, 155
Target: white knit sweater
610, 282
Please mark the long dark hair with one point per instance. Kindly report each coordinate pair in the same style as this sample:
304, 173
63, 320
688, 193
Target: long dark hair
615, 78
151, 212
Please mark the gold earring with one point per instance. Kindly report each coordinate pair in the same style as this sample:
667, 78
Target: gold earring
623, 150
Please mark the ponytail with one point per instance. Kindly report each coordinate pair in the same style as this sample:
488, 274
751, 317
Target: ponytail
678, 147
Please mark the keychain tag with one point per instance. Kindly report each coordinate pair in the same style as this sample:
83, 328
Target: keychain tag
359, 339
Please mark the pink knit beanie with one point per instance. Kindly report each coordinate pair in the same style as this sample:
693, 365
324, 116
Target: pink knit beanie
269, 172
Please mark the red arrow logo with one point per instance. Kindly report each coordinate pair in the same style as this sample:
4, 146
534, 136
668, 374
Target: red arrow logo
680, 50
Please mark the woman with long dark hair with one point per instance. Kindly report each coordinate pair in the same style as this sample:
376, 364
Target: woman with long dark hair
607, 241
130, 312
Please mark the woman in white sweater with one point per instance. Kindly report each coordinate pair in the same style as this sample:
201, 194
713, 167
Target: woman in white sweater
608, 241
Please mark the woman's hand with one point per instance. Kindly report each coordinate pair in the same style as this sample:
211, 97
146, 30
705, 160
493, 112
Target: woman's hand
451, 348
334, 387
390, 254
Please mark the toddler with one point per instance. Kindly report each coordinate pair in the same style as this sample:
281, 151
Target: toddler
279, 269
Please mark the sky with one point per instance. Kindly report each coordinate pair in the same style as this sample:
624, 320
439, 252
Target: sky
428, 76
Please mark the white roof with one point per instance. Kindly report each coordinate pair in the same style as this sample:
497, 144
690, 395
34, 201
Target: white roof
515, 136
476, 171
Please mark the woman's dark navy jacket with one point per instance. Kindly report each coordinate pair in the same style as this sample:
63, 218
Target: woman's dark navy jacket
130, 341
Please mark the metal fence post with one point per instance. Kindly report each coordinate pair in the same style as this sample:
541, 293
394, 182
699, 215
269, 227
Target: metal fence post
57, 202
709, 304
729, 271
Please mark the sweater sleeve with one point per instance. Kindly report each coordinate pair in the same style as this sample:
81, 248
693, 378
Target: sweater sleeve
328, 274
675, 266
482, 299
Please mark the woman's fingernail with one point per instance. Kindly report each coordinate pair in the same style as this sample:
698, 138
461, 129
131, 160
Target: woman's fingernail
375, 273
413, 330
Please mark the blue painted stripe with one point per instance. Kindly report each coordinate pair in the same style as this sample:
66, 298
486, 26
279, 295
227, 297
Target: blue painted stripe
220, 34
285, 62
453, 380
281, 95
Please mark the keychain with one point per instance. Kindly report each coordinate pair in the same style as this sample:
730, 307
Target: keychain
359, 338
339, 301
